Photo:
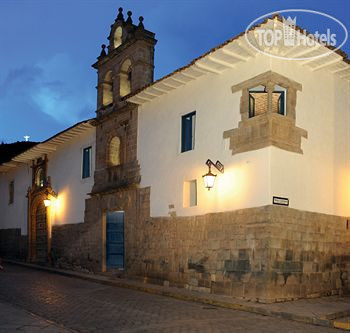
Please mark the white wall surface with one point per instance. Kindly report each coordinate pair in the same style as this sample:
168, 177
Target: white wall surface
245, 182
314, 181
64, 168
15, 215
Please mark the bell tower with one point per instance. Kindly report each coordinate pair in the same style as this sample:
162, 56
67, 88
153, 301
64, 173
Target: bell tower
123, 67
126, 65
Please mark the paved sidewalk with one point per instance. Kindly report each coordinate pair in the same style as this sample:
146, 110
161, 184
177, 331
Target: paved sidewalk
13, 319
319, 311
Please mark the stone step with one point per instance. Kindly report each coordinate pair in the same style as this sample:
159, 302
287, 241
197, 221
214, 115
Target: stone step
342, 323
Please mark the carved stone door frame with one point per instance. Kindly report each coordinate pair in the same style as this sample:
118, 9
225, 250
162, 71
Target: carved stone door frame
36, 198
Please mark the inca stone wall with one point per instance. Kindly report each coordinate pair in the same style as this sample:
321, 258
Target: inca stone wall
74, 246
267, 254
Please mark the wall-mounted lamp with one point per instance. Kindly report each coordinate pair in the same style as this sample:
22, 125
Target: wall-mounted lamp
209, 178
47, 200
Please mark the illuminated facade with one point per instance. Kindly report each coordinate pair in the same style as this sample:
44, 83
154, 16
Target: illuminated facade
273, 226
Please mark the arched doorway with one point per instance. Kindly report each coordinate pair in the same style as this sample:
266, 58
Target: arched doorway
41, 243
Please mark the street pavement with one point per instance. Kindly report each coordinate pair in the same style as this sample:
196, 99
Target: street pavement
13, 320
75, 305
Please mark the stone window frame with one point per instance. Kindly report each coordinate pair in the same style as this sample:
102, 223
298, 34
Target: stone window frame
109, 162
268, 79
268, 128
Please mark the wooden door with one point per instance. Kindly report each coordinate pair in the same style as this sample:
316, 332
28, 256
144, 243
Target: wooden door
41, 233
115, 240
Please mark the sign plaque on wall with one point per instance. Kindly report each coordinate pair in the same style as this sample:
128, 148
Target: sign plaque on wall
280, 201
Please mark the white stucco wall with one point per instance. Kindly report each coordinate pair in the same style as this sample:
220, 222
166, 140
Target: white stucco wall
311, 181
245, 182
15, 215
316, 180
64, 168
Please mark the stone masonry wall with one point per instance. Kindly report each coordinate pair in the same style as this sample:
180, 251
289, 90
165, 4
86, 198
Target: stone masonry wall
13, 244
73, 247
267, 254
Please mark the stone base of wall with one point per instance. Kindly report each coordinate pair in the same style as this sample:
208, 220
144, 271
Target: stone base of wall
72, 247
264, 254
13, 245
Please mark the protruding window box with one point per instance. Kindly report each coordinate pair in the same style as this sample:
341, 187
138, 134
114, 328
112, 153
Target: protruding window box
272, 125
269, 129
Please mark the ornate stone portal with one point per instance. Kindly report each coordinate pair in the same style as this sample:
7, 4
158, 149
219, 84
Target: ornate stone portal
268, 128
39, 224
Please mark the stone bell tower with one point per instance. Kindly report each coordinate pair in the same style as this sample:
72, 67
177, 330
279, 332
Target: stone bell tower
123, 67
126, 65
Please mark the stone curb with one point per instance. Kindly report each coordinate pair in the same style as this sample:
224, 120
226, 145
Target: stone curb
163, 291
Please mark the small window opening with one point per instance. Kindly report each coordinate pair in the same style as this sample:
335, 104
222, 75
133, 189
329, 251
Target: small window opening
11, 192
125, 78
258, 98
107, 89
40, 177
188, 126
118, 37
278, 100
86, 167
190, 193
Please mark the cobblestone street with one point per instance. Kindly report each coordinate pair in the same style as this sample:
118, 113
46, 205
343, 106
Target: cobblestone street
85, 306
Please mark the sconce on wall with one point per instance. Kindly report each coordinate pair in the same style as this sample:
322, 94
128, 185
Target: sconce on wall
47, 200
209, 177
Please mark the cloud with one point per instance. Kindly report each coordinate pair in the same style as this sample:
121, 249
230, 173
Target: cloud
62, 92
44, 97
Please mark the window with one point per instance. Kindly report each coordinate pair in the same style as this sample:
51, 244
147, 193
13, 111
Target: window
125, 78
86, 169
107, 89
188, 124
114, 151
258, 100
11, 192
278, 100
118, 37
40, 177
190, 193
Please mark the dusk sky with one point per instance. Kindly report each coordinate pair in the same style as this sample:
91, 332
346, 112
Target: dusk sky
47, 48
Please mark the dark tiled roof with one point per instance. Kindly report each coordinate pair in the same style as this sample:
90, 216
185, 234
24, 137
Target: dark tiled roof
9, 150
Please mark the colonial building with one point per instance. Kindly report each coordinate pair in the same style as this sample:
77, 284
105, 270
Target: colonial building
44, 186
269, 219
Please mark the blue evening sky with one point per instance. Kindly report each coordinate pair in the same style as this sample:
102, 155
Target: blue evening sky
48, 46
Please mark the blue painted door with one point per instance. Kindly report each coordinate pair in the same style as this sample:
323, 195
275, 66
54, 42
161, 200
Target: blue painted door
115, 239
